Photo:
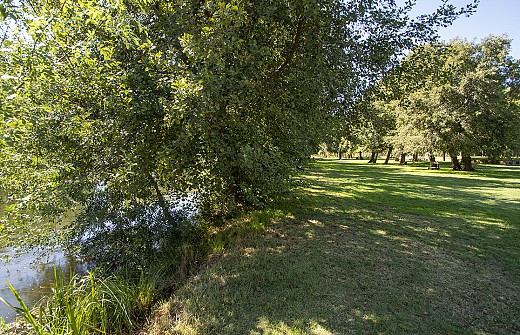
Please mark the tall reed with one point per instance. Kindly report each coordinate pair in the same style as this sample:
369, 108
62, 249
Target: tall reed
89, 304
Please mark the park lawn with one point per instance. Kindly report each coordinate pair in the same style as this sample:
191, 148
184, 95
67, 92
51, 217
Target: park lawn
367, 249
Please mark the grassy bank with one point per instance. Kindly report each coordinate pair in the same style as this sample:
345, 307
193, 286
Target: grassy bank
368, 249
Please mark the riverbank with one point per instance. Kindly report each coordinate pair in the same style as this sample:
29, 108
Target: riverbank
16, 328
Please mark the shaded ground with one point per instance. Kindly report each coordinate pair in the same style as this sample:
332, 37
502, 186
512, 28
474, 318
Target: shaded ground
369, 249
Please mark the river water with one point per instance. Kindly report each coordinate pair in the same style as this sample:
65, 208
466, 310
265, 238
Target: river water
31, 276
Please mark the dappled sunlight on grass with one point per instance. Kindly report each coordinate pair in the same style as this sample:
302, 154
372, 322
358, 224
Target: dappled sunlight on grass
488, 199
249, 252
367, 249
372, 318
298, 327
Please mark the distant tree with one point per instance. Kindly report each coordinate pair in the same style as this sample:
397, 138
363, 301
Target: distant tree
376, 123
377, 41
459, 97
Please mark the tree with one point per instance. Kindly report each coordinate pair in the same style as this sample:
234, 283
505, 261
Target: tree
459, 97
140, 103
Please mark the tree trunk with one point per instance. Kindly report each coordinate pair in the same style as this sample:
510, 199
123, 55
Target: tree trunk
360, 155
466, 162
415, 158
455, 162
390, 148
431, 156
402, 161
373, 157
339, 155
444, 156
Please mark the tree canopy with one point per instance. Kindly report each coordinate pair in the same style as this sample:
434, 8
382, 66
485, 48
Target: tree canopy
456, 97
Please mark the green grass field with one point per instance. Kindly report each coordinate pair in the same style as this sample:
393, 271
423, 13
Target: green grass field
368, 249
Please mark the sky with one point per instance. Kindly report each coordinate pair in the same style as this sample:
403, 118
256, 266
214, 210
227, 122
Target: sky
496, 17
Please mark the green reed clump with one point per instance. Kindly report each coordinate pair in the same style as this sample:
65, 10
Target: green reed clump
89, 304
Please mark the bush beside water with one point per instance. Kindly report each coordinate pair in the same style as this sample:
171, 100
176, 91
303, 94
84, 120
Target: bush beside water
139, 257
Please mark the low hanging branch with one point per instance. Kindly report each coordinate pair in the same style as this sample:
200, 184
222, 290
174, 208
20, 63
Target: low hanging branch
294, 46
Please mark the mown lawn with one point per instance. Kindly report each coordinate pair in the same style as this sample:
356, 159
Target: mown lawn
368, 249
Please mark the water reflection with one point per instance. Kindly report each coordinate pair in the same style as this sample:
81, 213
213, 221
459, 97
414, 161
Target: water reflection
31, 277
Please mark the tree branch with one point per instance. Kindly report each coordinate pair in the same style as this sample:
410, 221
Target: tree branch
292, 50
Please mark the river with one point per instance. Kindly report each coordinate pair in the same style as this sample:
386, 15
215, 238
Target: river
31, 276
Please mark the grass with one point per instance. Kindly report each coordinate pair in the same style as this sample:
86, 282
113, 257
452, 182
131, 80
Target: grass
367, 249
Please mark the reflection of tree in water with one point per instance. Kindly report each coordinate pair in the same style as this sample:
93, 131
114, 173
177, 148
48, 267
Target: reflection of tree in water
45, 281
128, 236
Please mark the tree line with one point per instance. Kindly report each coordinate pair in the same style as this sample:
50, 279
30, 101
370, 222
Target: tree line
458, 98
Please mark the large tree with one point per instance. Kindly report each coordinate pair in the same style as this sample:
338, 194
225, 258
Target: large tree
131, 103
458, 97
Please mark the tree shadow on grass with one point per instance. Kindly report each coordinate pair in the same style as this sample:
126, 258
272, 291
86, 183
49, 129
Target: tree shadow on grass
431, 192
347, 264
